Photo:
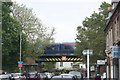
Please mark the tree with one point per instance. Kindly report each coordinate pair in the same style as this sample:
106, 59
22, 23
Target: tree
16, 20
48, 66
37, 34
91, 35
10, 39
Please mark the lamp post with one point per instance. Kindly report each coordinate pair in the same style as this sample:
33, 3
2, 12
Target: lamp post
20, 60
20, 49
20, 45
87, 52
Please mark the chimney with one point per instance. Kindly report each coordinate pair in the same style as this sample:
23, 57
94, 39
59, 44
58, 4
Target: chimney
110, 12
114, 3
110, 9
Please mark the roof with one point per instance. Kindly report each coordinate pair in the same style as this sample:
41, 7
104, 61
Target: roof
117, 9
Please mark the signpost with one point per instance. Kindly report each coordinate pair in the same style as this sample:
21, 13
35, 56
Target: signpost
87, 52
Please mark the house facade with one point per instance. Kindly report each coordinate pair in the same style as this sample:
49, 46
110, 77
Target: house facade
112, 31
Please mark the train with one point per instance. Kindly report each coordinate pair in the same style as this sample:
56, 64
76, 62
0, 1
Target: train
60, 48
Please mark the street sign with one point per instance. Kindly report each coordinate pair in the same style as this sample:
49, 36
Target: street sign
84, 52
101, 62
20, 63
92, 68
116, 51
90, 52
64, 58
87, 52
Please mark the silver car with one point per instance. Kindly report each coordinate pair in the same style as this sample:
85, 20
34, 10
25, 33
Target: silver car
77, 74
64, 77
5, 76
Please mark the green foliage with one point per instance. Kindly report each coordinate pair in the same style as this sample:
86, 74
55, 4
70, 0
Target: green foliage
47, 66
10, 39
37, 36
16, 20
91, 35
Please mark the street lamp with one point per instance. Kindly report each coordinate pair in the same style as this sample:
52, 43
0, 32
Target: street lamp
20, 47
87, 52
20, 44
20, 60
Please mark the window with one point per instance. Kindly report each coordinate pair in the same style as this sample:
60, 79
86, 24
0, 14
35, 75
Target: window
50, 47
69, 46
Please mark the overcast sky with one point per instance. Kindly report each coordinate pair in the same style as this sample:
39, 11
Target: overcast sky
63, 15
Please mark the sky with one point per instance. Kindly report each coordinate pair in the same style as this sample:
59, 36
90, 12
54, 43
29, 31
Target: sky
64, 15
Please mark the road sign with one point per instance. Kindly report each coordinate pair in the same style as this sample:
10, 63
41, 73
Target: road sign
87, 52
20, 63
116, 51
92, 68
64, 58
101, 62
84, 52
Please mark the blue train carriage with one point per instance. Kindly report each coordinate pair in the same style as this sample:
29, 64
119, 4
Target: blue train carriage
60, 48
52, 48
68, 47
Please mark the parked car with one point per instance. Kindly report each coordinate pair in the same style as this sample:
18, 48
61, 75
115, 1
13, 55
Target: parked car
68, 76
17, 76
32, 75
56, 78
5, 76
77, 74
49, 75
64, 77
42, 76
